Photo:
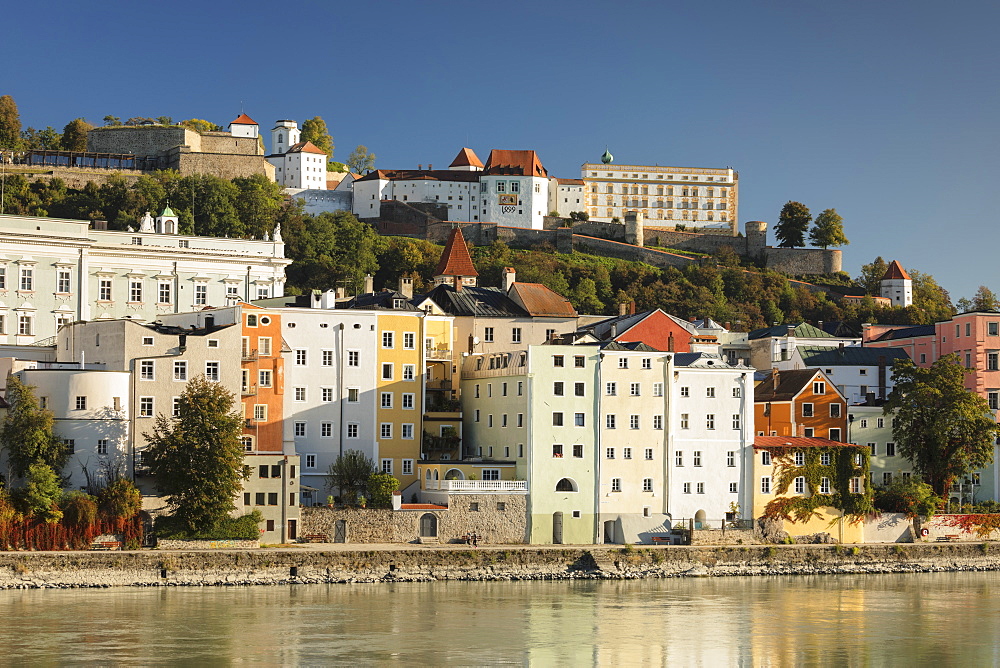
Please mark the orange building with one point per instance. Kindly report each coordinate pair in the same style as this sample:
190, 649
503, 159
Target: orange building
802, 402
263, 383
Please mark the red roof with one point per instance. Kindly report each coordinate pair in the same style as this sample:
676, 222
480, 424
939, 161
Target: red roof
455, 260
570, 182
466, 158
305, 147
517, 163
539, 300
765, 442
421, 506
243, 119
895, 272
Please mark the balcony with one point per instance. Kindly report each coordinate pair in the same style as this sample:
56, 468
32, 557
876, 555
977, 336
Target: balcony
437, 353
249, 355
251, 423
250, 391
438, 384
478, 486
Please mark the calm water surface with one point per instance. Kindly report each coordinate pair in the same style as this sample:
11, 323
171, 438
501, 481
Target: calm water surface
950, 619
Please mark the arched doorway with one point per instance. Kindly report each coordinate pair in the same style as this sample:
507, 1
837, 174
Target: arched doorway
699, 519
428, 526
566, 485
454, 474
609, 531
557, 528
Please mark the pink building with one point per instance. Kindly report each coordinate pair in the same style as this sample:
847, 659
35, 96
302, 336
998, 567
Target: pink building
973, 336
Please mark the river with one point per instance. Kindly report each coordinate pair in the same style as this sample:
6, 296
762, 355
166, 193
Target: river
939, 619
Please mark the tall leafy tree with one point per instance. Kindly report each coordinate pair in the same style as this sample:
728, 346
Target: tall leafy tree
26, 434
828, 230
74, 135
946, 430
314, 130
871, 276
930, 297
361, 160
985, 300
112, 121
10, 123
258, 204
793, 223
196, 458
48, 139
349, 474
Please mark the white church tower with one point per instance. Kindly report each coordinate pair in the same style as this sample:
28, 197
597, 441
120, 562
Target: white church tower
897, 286
298, 165
283, 135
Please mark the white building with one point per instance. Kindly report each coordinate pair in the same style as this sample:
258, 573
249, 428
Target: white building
55, 271
896, 285
710, 437
861, 374
666, 196
297, 164
565, 196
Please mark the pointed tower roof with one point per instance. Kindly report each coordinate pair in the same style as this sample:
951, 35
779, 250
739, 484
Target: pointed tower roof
455, 260
895, 272
243, 119
168, 212
466, 158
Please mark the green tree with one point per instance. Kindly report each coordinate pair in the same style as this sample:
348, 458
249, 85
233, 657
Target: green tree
199, 125
793, 222
41, 492
258, 204
196, 458
48, 139
10, 123
361, 160
350, 474
985, 300
314, 130
380, 489
871, 276
26, 433
944, 429
164, 120
930, 297
111, 121
74, 135
828, 230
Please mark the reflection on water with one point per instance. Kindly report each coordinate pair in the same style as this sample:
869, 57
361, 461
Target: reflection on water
933, 619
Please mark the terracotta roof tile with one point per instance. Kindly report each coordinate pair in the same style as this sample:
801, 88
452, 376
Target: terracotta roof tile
570, 182
466, 158
455, 260
790, 383
243, 119
766, 442
305, 147
895, 272
539, 300
517, 163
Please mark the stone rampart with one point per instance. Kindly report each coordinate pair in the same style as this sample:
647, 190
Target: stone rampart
141, 140
226, 544
625, 251
725, 537
223, 142
804, 260
226, 166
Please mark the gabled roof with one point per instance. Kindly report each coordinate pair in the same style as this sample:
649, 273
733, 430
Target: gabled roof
895, 272
803, 330
767, 442
570, 182
420, 175
516, 163
455, 260
816, 356
708, 323
305, 147
466, 158
243, 119
386, 299
703, 360
475, 301
790, 383
602, 328
908, 332
631, 346
538, 300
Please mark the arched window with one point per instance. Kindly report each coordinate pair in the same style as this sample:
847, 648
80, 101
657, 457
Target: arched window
454, 474
281, 138
566, 485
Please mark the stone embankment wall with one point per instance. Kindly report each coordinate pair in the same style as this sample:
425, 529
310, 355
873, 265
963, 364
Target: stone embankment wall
496, 518
227, 544
727, 537
291, 566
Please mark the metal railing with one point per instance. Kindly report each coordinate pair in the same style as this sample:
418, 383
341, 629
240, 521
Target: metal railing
250, 391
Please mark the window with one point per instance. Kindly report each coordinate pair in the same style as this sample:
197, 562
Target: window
765, 485
647, 363
385, 400
579, 389
104, 290
609, 453
819, 388
696, 458
579, 361
611, 389
310, 461
387, 466
825, 458
488, 334
408, 467
992, 328
579, 420
685, 391
700, 488
710, 392
657, 389
326, 429
409, 371
163, 293
408, 401
835, 434
352, 430
835, 410
102, 446
679, 458
27, 279
515, 335
616, 484
807, 410
799, 457
808, 432
800, 485
353, 358
558, 360
765, 458
175, 408
622, 362
200, 294
264, 378
264, 345
260, 412
387, 339
880, 423
685, 421
409, 341
557, 419
147, 370
385, 430
301, 357
710, 421
81, 403
855, 486
890, 449
70, 445
327, 358
649, 453
212, 371
633, 421
609, 421
734, 488
736, 421
557, 450
557, 388
24, 325
737, 393
687, 488
387, 371
406, 431
993, 360
633, 390
145, 406
657, 422
62, 280
520, 419
300, 429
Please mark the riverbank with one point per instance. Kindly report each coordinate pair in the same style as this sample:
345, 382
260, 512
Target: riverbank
155, 568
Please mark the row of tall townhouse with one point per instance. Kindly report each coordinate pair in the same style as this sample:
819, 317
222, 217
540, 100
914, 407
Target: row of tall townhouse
616, 441
54, 271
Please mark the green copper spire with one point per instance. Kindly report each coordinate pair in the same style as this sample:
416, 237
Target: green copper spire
168, 212
607, 158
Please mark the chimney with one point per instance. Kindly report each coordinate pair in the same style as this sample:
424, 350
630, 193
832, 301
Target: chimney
882, 380
420, 168
670, 343
774, 379
841, 347
791, 330
623, 309
692, 319
614, 331
819, 325
631, 307
509, 278
456, 282
865, 329
406, 287
369, 284
397, 500
430, 167
728, 325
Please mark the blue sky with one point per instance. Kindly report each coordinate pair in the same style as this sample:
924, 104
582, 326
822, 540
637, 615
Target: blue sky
886, 111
